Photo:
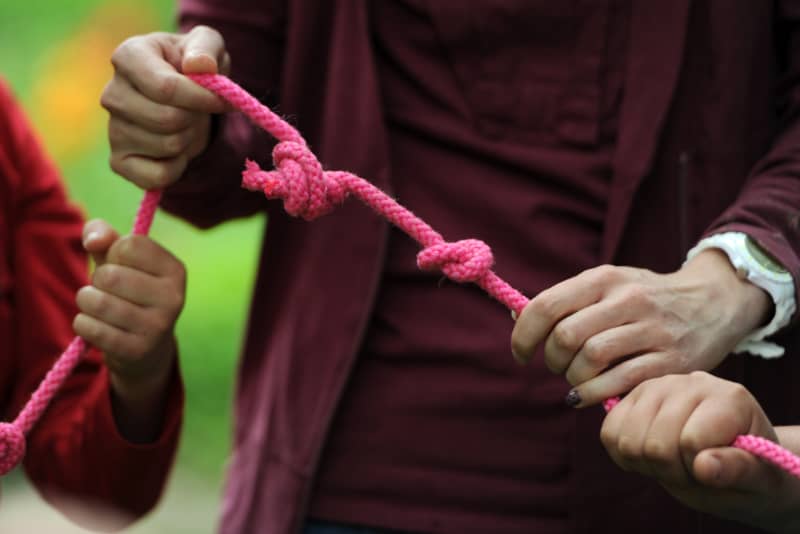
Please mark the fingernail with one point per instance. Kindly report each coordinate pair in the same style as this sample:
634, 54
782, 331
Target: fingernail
91, 236
573, 398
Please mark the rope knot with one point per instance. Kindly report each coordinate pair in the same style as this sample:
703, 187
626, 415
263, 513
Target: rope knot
307, 191
12, 447
468, 260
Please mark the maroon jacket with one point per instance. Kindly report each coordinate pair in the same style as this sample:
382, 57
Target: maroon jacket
708, 141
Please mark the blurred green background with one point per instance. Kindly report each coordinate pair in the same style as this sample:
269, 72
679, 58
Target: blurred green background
55, 55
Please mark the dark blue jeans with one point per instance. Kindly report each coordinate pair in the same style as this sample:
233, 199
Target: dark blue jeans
323, 527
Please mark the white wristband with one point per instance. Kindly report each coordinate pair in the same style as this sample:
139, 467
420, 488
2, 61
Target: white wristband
755, 265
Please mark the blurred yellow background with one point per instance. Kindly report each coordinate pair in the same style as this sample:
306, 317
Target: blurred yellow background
56, 56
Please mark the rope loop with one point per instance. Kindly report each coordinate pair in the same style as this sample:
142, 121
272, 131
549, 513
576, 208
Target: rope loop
468, 260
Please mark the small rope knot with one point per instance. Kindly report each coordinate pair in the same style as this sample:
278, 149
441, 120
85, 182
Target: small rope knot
468, 260
307, 191
12, 447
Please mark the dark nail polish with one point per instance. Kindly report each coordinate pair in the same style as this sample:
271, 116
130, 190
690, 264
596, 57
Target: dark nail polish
573, 398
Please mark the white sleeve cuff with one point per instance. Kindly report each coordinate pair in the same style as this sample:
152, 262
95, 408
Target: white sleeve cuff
779, 286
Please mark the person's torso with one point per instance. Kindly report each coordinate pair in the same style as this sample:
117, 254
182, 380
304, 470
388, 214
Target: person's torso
501, 124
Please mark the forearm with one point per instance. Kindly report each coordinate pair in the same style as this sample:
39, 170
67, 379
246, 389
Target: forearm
751, 305
139, 405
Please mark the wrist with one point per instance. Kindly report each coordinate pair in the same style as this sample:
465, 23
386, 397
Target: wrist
746, 305
138, 400
755, 264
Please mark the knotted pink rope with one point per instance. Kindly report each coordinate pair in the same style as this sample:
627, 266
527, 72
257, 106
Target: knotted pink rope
12, 435
308, 191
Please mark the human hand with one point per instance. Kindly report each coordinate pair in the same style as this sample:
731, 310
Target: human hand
678, 428
160, 119
610, 328
129, 312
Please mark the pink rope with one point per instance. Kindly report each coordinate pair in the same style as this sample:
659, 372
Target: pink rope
308, 191
12, 435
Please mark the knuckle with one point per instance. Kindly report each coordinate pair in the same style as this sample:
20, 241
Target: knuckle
180, 275
739, 395
173, 144
655, 450
545, 304
575, 377
107, 100
124, 49
116, 133
605, 274
82, 298
555, 365
107, 277
698, 377
171, 119
594, 352
124, 250
635, 295
161, 174
627, 448
565, 337
77, 325
635, 375
608, 437
520, 345
174, 305
689, 443
115, 162
100, 304
164, 86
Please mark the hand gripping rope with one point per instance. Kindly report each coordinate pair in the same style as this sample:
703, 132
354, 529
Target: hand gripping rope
308, 191
12, 435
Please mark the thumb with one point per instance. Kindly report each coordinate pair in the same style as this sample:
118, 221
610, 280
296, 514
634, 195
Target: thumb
204, 52
98, 236
732, 468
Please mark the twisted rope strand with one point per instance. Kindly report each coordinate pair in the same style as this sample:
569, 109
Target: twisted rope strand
12, 435
309, 192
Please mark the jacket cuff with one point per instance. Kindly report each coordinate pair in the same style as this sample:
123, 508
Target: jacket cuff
131, 469
779, 285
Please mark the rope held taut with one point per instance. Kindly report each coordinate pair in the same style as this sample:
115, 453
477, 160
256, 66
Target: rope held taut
308, 191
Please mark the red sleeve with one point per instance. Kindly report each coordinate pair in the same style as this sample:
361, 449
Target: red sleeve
768, 208
75, 451
210, 190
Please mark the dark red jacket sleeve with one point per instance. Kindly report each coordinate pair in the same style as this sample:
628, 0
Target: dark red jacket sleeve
768, 208
75, 456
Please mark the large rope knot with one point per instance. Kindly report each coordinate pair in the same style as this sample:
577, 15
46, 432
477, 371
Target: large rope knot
307, 191
468, 260
12, 447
